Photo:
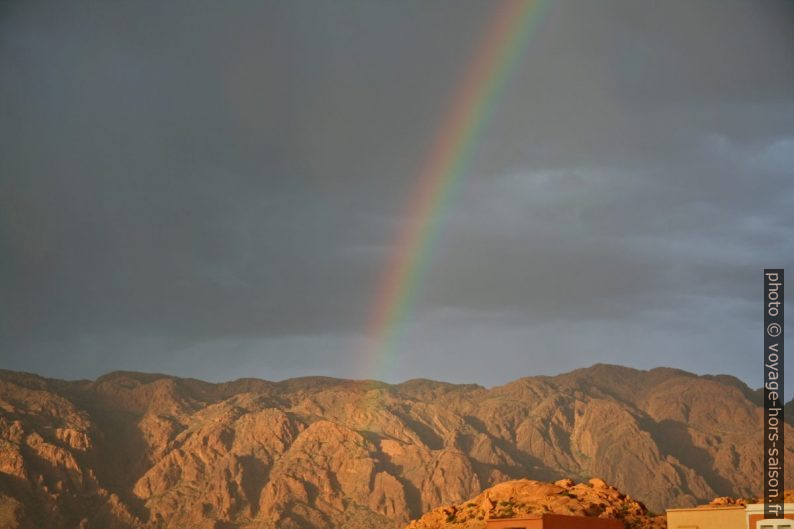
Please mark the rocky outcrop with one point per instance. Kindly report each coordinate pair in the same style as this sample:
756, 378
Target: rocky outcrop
594, 498
136, 450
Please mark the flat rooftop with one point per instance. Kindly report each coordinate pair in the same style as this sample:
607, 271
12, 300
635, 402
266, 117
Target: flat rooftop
708, 508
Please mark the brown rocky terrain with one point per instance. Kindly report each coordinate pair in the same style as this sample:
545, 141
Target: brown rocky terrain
526, 497
141, 450
593, 498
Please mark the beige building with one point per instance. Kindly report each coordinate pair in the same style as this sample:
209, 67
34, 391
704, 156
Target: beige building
728, 517
722, 517
755, 517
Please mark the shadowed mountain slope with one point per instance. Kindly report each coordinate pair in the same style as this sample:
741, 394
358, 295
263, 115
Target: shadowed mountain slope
147, 450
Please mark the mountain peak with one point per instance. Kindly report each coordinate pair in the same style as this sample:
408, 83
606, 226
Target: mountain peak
134, 449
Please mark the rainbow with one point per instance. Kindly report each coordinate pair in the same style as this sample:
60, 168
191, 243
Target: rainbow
442, 173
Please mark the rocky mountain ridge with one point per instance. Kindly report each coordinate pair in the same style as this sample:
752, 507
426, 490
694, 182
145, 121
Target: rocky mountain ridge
518, 498
144, 450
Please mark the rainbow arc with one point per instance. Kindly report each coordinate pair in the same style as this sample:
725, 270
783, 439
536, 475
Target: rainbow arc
443, 172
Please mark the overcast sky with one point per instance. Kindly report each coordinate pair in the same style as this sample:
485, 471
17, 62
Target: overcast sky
211, 189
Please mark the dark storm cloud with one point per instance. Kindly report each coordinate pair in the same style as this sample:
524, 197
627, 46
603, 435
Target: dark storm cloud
171, 166
211, 189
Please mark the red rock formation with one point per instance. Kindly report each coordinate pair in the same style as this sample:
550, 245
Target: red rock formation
593, 498
138, 450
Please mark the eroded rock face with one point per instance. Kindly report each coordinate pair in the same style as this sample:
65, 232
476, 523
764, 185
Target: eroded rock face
517, 498
137, 450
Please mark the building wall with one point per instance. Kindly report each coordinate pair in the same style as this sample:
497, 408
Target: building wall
518, 523
558, 521
716, 518
753, 518
555, 521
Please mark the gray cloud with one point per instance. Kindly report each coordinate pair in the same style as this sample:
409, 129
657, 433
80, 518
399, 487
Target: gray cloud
212, 190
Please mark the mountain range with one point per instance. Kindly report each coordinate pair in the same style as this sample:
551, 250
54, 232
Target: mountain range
133, 450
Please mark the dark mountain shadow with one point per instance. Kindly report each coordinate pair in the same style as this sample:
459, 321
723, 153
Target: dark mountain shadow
673, 438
